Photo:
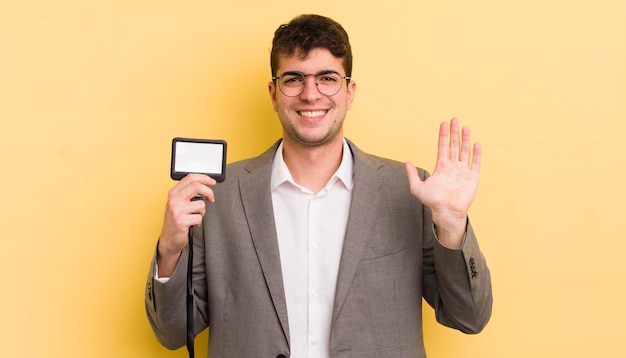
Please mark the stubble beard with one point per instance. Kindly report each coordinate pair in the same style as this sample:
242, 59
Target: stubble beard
289, 130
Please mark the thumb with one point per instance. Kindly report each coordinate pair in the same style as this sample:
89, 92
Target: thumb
414, 180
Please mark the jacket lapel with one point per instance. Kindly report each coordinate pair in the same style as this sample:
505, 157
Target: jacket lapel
360, 222
257, 203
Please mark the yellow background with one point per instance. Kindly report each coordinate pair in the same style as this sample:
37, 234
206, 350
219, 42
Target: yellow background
91, 93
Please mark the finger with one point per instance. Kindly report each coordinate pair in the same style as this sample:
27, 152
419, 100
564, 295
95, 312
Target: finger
202, 178
195, 219
411, 172
196, 211
465, 145
179, 215
192, 219
414, 179
442, 152
195, 189
454, 139
477, 157
181, 185
193, 185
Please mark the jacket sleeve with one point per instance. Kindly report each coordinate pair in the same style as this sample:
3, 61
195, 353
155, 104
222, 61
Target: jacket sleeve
456, 283
166, 302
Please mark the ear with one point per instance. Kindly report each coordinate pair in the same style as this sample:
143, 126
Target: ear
351, 93
272, 90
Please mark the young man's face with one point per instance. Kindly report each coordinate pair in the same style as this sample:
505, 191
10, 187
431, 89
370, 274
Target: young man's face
312, 118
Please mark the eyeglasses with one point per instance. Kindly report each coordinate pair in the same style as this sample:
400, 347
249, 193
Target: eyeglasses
328, 83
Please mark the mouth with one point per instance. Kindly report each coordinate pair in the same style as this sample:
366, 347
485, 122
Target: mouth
312, 114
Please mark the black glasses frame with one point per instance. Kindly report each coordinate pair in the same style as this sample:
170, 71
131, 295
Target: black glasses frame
276, 80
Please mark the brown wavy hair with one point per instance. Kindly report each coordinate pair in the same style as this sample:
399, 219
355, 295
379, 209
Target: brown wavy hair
308, 32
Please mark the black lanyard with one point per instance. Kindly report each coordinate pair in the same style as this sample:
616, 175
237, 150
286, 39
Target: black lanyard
190, 335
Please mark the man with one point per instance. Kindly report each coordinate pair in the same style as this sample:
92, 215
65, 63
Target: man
315, 248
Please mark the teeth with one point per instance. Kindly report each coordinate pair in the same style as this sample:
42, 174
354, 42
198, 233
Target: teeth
312, 114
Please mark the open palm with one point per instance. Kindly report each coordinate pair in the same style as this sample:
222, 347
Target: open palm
451, 188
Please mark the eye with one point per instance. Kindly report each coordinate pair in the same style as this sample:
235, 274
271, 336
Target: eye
328, 78
292, 79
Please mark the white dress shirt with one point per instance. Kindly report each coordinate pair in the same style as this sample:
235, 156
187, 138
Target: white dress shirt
311, 229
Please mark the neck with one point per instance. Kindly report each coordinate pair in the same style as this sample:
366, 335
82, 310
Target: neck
312, 167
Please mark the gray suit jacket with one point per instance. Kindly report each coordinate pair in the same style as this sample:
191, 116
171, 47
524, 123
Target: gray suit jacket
390, 260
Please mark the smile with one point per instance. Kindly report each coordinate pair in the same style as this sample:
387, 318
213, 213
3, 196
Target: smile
311, 114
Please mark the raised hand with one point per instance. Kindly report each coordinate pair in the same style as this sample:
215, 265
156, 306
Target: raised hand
451, 188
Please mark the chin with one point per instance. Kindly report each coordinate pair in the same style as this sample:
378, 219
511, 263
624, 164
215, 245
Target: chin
317, 141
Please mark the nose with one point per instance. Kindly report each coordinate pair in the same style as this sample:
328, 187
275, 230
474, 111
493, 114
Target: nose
310, 91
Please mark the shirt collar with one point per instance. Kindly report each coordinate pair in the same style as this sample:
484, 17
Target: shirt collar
345, 172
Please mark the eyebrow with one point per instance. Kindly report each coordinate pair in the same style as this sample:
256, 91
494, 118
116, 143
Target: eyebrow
322, 72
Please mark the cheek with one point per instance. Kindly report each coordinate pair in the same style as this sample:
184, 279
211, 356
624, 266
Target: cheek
279, 106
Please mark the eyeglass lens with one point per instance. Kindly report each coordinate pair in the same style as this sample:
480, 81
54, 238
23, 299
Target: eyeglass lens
292, 84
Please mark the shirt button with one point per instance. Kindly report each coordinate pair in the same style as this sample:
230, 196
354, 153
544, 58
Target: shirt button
314, 293
314, 245
313, 341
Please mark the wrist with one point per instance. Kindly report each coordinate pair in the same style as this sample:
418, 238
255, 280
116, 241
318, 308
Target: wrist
449, 220
166, 253
166, 261
165, 247
450, 230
